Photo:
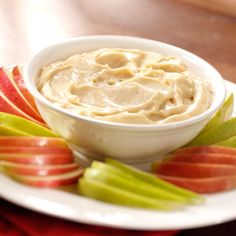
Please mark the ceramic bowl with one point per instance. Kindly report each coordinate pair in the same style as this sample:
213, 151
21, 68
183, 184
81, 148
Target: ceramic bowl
130, 143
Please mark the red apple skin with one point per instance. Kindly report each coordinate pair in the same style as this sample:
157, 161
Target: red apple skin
49, 181
214, 158
13, 95
37, 170
6, 141
17, 76
203, 185
35, 150
7, 106
37, 159
207, 149
193, 170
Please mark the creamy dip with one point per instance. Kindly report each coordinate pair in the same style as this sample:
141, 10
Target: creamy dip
125, 86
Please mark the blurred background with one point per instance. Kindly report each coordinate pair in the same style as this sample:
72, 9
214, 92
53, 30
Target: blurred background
204, 27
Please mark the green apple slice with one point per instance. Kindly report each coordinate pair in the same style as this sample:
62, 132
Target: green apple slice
111, 194
222, 115
23, 125
223, 131
229, 142
130, 184
154, 180
8, 131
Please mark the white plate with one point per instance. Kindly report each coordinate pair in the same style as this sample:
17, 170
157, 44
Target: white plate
217, 209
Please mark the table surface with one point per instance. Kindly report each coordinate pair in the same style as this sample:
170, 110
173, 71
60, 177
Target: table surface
28, 25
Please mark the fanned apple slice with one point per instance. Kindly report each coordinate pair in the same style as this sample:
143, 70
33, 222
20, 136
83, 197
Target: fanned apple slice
11, 91
18, 78
32, 141
35, 150
25, 125
8, 131
37, 170
203, 185
37, 159
193, 170
213, 158
51, 181
207, 149
7, 106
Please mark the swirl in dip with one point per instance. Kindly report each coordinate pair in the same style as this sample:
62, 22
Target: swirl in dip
125, 86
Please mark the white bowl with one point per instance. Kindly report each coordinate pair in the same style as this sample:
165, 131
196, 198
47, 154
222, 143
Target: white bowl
126, 142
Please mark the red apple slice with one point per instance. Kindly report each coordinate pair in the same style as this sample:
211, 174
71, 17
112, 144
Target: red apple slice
52, 181
214, 158
37, 159
35, 150
207, 149
203, 185
17, 76
7, 106
193, 170
32, 141
10, 91
38, 170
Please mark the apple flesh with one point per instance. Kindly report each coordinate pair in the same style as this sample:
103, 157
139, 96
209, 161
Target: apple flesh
110, 177
37, 170
193, 170
155, 181
111, 194
203, 185
11, 92
51, 181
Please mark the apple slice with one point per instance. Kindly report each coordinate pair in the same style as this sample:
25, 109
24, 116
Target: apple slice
13, 94
17, 76
25, 125
51, 181
37, 159
37, 170
222, 115
8, 131
207, 149
213, 158
154, 180
32, 141
35, 150
203, 185
107, 175
219, 133
193, 170
111, 194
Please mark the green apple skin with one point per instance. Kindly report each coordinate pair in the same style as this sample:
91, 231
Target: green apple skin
229, 142
221, 116
154, 180
130, 184
107, 193
23, 125
223, 131
9, 131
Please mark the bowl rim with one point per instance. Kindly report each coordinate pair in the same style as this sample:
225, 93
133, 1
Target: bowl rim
155, 126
